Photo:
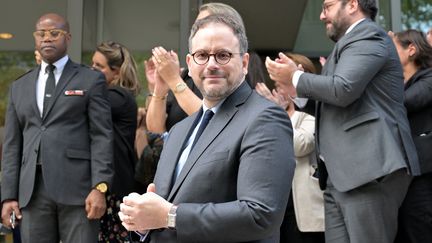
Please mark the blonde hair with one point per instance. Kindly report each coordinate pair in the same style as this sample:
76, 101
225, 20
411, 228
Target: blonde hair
119, 57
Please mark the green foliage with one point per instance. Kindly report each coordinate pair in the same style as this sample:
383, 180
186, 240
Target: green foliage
12, 65
139, 59
417, 14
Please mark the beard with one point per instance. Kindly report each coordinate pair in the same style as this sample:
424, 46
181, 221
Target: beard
338, 26
220, 91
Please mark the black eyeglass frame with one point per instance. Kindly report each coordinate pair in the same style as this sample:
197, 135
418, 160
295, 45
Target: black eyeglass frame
215, 56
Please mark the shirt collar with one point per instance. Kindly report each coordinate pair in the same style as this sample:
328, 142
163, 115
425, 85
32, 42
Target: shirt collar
354, 25
59, 64
215, 108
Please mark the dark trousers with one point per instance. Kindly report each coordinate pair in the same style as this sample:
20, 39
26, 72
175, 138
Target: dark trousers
290, 233
415, 215
367, 214
44, 220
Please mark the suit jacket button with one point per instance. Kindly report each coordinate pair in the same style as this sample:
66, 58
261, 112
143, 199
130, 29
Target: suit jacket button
43, 128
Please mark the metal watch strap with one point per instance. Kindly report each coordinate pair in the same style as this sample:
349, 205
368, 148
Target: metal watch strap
171, 218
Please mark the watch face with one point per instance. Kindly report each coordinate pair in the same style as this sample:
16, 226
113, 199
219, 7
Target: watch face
180, 87
102, 187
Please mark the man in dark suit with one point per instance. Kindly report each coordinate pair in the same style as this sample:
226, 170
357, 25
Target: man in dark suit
57, 156
232, 184
363, 136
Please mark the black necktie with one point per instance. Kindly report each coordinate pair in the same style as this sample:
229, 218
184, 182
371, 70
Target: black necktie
49, 87
207, 117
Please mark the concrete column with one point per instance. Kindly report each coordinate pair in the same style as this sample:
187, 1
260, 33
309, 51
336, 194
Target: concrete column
100, 21
75, 17
396, 15
184, 31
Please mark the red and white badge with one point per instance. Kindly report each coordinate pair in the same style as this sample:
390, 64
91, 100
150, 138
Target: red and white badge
76, 92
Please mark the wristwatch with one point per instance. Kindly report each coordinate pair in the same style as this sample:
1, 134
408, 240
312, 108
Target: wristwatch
171, 218
102, 187
180, 87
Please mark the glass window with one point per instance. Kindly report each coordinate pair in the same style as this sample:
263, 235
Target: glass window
416, 14
136, 24
384, 14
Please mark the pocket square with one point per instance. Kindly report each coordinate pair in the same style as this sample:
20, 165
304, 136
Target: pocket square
76, 92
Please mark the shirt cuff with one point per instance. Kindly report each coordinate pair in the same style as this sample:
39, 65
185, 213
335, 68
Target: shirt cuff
299, 102
296, 77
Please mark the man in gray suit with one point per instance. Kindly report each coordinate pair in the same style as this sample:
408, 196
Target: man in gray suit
363, 137
232, 184
57, 154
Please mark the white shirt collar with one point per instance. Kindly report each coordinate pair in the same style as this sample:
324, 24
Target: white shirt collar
354, 25
59, 64
215, 108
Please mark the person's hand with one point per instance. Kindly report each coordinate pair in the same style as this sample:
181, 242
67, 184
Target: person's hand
141, 118
281, 69
150, 70
7, 208
274, 95
167, 65
95, 204
141, 132
144, 212
322, 61
161, 88
38, 57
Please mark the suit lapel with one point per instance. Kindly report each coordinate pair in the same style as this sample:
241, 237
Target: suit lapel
176, 137
33, 77
220, 120
69, 71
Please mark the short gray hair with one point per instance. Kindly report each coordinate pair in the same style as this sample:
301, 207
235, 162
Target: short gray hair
227, 20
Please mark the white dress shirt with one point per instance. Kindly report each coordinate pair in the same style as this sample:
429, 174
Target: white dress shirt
43, 76
187, 150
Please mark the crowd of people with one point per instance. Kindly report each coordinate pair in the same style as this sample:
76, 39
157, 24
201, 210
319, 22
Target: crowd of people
216, 155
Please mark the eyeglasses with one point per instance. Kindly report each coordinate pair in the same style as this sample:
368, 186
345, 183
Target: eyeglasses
326, 6
221, 57
54, 34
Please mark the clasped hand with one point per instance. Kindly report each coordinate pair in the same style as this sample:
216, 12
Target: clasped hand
144, 212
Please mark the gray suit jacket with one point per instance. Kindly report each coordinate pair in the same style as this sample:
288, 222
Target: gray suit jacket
235, 184
74, 137
362, 123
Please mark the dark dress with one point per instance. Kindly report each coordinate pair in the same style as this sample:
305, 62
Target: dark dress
174, 112
147, 164
415, 215
124, 116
